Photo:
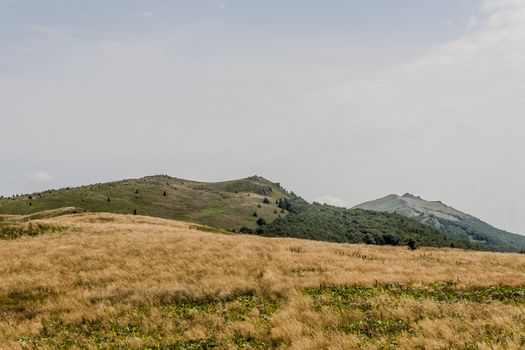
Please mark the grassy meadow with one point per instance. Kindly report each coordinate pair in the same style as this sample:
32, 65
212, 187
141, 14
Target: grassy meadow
112, 281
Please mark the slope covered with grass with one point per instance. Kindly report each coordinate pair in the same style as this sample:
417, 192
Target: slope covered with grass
111, 281
328, 223
247, 205
229, 204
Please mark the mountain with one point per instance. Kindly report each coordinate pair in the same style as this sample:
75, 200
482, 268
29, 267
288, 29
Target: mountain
329, 223
249, 205
447, 220
228, 204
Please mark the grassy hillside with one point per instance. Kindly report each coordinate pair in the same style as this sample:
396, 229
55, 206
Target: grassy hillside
229, 204
449, 221
247, 205
329, 223
475, 230
111, 281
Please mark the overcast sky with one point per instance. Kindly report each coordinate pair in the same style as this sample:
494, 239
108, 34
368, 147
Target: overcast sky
340, 101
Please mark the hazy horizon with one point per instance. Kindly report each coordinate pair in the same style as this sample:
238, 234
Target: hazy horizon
340, 101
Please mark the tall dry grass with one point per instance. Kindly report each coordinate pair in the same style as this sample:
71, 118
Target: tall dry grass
115, 281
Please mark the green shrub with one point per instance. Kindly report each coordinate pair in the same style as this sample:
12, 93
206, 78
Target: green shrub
245, 229
411, 243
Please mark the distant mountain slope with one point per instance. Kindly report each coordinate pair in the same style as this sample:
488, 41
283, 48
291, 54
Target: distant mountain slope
253, 204
328, 223
447, 220
228, 204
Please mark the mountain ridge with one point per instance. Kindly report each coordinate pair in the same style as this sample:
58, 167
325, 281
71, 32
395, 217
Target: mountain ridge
247, 205
448, 220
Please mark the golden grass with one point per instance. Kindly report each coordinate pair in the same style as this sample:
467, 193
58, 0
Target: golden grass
116, 281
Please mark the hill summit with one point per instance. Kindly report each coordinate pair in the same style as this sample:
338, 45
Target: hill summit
226, 204
447, 220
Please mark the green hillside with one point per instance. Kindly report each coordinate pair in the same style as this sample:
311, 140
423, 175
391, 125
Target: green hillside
250, 205
475, 230
228, 204
328, 223
448, 220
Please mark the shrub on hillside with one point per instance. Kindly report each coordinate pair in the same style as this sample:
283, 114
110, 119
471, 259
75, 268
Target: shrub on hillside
245, 229
411, 243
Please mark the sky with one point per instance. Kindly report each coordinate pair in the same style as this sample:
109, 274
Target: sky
339, 101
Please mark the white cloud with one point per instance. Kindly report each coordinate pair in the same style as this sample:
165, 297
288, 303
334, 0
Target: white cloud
43, 29
332, 200
221, 4
41, 177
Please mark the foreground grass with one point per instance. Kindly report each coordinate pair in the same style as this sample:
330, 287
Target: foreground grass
113, 282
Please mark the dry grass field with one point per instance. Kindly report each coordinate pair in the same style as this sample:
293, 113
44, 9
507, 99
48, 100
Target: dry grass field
131, 282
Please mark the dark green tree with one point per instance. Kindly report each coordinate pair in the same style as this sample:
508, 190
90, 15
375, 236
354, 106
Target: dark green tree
245, 229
